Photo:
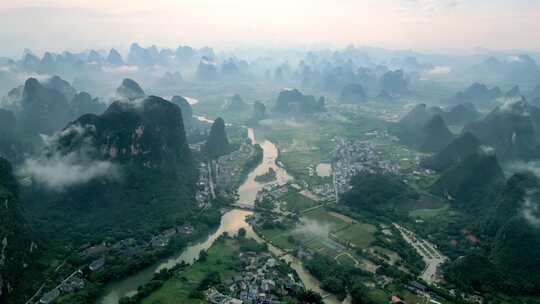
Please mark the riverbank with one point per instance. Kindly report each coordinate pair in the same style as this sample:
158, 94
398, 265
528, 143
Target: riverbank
231, 222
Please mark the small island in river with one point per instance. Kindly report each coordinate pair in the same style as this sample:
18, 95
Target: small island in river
269, 176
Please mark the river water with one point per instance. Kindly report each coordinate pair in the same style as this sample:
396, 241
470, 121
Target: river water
248, 190
231, 222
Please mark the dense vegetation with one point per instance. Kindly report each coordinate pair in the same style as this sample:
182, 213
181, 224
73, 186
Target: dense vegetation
471, 184
15, 234
378, 193
511, 248
458, 150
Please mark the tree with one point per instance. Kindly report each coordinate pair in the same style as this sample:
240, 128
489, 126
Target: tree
241, 233
310, 297
203, 256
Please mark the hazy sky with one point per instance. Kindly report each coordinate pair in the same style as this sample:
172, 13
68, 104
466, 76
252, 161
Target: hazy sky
419, 24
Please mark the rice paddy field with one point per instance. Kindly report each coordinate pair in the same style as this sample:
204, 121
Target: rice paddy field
359, 235
296, 202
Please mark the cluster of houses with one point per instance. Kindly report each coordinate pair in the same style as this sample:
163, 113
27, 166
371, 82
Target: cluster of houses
227, 168
355, 156
126, 247
272, 192
74, 282
204, 190
326, 192
259, 281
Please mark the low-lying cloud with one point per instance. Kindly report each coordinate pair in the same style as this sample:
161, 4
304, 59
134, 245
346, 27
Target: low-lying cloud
520, 166
58, 171
123, 69
440, 70
312, 227
531, 211
514, 105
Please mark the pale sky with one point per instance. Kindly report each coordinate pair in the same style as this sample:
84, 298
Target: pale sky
428, 25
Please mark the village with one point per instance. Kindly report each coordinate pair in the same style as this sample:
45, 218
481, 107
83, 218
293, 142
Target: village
97, 255
259, 281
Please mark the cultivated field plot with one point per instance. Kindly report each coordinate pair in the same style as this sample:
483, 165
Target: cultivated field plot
326, 219
346, 260
221, 259
359, 235
296, 202
279, 238
297, 164
387, 255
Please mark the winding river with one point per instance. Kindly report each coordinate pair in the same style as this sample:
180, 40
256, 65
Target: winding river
231, 222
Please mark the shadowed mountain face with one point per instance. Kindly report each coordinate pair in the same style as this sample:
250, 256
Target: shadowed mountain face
478, 93
130, 90
16, 246
207, 71
236, 103
217, 143
106, 172
114, 58
461, 114
7, 124
293, 101
437, 136
417, 116
521, 68
185, 107
457, 151
472, 183
43, 110
48, 107
512, 129
150, 134
419, 128
82, 103
259, 111
353, 93
394, 82
62, 86
9, 143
